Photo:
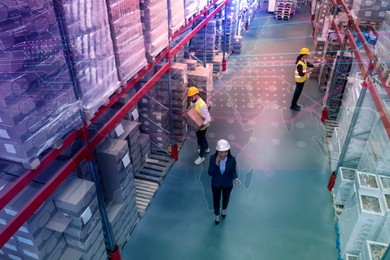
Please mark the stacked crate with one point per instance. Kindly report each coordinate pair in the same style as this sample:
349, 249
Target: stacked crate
175, 15
77, 201
155, 23
344, 184
178, 83
202, 78
127, 36
373, 250
37, 101
156, 123
363, 214
91, 51
117, 174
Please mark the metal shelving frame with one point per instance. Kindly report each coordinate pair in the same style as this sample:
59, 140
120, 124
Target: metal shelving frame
86, 152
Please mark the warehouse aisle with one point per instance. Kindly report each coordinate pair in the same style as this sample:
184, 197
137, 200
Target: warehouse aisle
282, 209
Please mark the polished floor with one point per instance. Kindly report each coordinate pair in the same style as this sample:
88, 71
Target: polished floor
282, 209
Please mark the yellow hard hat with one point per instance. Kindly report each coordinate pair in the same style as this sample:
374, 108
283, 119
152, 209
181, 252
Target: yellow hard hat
192, 91
304, 51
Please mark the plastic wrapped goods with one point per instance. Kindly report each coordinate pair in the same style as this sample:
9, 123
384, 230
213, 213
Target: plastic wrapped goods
91, 50
155, 22
126, 29
38, 105
175, 15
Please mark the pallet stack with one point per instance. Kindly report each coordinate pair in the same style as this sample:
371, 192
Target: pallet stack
203, 43
38, 106
175, 15
284, 10
155, 25
178, 98
202, 78
127, 36
91, 51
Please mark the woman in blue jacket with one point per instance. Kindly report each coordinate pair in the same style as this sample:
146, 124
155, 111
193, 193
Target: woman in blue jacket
222, 169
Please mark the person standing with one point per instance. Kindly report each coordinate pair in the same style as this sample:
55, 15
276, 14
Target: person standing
302, 73
223, 170
201, 107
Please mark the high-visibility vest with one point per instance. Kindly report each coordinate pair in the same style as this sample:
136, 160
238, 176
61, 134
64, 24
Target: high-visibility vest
198, 104
298, 78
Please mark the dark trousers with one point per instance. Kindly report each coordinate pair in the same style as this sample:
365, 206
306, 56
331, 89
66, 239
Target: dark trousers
297, 93
217, 197
202, 141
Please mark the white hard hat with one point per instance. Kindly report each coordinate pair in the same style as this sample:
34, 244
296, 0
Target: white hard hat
222, 145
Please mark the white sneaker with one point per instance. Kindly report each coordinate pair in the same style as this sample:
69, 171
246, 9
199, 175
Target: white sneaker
199, 160
207, 150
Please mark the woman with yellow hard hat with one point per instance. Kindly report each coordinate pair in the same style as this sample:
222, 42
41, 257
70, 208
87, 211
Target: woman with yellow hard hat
302, 73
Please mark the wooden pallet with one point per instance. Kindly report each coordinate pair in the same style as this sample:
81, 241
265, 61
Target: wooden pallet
156, 167
145, 191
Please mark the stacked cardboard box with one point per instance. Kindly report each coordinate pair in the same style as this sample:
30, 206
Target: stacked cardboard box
237, 44
367, 10
127, 35
118, 180
178, 97
203, 43
155, 23
202, 78
37, 101
175, 15
91, 51
36, 239
77, 201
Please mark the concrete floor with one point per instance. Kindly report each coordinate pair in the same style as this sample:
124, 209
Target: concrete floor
282, 209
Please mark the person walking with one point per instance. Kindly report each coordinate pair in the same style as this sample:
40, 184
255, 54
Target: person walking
302, 73
222, 169
201, 107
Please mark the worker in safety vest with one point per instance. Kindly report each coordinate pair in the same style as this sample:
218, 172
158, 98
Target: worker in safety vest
302, 73
201, 107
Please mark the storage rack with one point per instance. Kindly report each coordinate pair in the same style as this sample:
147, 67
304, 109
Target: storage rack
90, 142
371, 76
284, 10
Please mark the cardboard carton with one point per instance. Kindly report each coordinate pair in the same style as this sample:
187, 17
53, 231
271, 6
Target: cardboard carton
193, 118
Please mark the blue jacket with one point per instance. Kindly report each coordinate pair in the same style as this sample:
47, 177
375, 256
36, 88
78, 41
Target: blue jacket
225, 179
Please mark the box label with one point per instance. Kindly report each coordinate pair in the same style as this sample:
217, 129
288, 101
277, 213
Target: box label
126, 160
10, 148
4, 134
135, 114
119, 130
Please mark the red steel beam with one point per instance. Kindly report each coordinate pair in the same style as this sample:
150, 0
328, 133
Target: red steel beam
185, 27
129, 85
38, 199
188, 37
13, 190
